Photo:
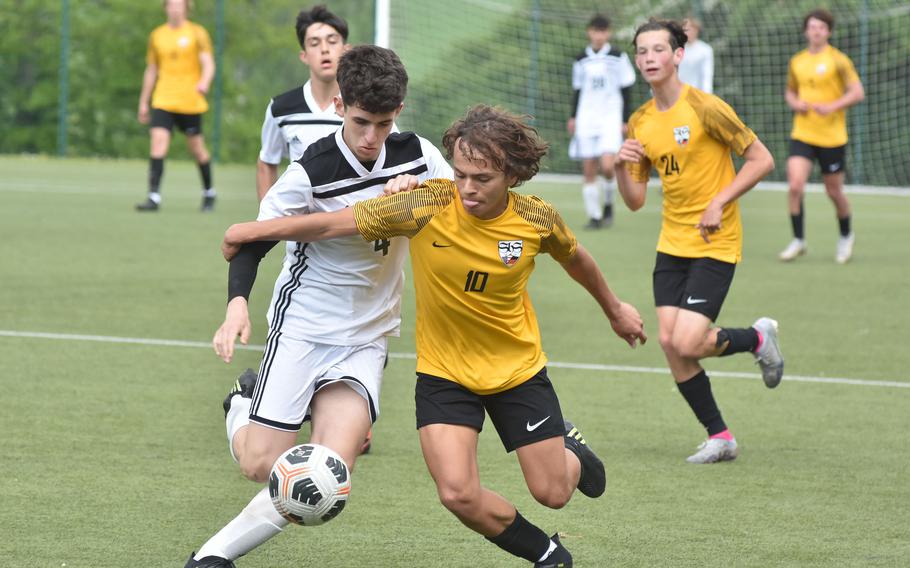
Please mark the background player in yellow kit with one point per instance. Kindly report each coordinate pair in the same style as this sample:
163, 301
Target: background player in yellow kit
821, 85
687, 135
180, 69
473, 245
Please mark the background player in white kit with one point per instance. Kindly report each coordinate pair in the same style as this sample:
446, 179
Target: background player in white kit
697, 65
334, 303
297, 118
602, 77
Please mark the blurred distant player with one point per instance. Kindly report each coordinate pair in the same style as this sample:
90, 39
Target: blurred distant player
821, 85
299, 117
697, 65
180, 68
602, 77
687, 135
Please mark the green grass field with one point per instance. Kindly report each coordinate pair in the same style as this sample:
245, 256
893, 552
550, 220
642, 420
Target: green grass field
113, 454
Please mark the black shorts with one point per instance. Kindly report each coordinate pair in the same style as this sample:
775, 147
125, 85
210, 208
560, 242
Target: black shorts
189, 124
694, 284
832, 160
522, 415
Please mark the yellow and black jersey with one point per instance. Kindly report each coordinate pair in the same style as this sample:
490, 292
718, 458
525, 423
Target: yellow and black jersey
689, 144
820, 78
175, 51
475, 322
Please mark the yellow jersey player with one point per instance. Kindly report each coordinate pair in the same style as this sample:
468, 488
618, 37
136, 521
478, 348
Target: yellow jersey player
179, 70
473, 247
821, 85
687, 136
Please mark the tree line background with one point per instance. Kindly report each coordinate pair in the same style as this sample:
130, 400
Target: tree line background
515, 53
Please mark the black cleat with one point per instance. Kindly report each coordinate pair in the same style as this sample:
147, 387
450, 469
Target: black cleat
147, 205
243, 386
208, 203
559, 558
209, 562
593, 479
593, 225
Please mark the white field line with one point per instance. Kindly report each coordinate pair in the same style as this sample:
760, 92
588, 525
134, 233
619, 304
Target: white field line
554, 364
75, 189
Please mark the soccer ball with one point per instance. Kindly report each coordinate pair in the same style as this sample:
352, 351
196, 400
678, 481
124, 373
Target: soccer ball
309, 484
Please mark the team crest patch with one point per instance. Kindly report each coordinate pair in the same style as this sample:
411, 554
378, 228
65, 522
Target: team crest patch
510, 252
681, 134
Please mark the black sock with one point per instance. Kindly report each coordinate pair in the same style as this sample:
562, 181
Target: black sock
796, 221
206, 171
522, 539
740, 340
156, 170
697, 392
608, 210
844, 226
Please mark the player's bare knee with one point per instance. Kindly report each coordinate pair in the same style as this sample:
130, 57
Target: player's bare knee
255, 468
666, 343
458, 500
553, 497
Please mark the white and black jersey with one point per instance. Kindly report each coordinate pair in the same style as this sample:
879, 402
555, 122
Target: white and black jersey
601, 81
343, 291
293, 121
697, 66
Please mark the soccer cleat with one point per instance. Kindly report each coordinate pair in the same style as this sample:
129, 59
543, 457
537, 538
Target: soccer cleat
593, 479
208, 203
715, 450
768, 355
559, 558
147, 205
797, 247
607, 220
844, 248
209, 562
367, 443
593, 225
243, 386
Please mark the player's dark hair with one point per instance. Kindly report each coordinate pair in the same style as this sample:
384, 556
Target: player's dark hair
599, 22
319, 15
678, 37
504, 140
372, 78
820, 14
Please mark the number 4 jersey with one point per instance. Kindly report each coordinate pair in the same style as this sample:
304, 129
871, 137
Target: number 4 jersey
689, 145
475, 322
343, 291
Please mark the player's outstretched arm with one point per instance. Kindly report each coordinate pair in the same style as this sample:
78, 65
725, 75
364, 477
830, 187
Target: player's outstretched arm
624, 318
631, 155
303, 228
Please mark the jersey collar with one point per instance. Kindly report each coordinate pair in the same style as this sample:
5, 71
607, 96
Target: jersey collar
603, 50
311, 101
352, 158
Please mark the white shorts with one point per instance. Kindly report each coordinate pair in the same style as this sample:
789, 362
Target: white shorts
593, 147
293, 370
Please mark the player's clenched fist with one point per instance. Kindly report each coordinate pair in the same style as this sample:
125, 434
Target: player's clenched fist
630, 151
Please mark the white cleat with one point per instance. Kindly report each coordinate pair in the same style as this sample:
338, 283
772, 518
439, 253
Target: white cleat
715, 450
797, 247
768, 355
844, 248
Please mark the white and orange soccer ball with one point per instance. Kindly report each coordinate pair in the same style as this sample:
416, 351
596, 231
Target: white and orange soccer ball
309, 484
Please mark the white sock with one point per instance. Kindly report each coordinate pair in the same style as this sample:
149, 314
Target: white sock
548, 552
210, 192
591, 194
237, 417
256, 523
155, 196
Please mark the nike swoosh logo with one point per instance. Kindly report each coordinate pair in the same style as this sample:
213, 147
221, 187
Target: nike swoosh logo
690, 300
532, 427
437, 245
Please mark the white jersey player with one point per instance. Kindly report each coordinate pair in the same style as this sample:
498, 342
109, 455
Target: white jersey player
697, 65
334, 303
602, 77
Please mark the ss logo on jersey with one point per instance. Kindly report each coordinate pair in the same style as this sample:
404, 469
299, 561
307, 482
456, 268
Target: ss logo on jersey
681, 135
510, 252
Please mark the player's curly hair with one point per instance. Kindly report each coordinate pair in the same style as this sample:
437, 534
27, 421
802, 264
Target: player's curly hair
820, 14
678, 36
373, 78
503, 139
319, 14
